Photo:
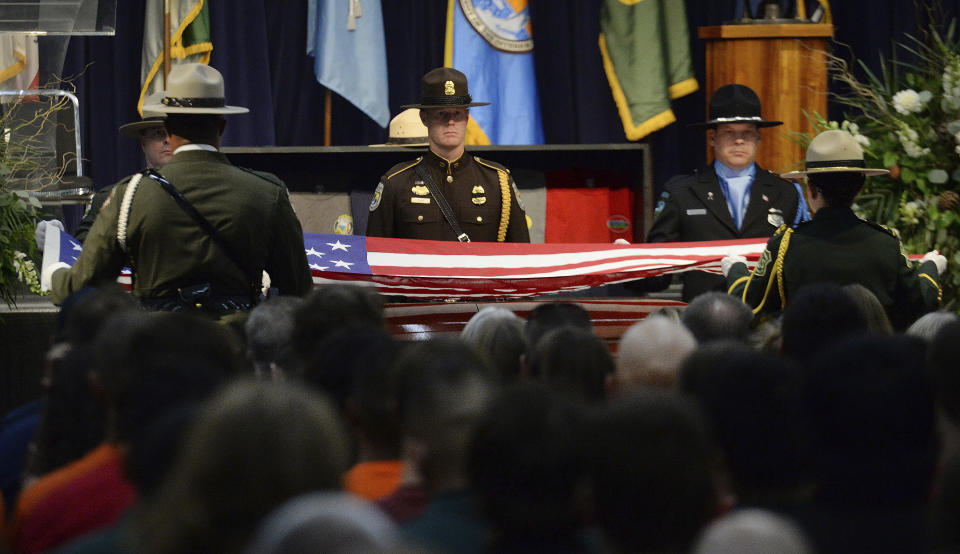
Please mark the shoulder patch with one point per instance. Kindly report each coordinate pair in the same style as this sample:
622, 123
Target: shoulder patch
401, 167
516, 193
762, 264
377, 196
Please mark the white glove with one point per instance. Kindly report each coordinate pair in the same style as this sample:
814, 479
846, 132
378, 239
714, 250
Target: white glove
621, 241
41, 233
727, 262
936, 257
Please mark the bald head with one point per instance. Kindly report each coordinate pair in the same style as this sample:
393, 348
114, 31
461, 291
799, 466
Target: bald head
651, 353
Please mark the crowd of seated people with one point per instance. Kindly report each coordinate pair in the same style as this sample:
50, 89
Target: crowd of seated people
313, 429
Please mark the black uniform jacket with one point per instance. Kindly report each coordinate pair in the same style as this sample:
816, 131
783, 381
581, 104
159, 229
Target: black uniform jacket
476, 190
838, 247
693, 208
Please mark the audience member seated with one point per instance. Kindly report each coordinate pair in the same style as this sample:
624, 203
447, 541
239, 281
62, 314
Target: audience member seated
328, 522
525, 473
650, 354
573, 362
648, 464
253, 447
819, 315
553, 315
371, 411
766, 336
444, 386
147, 363
871, 407
497, 333
753, 404
269, 331
753, 531
717, 316
929, 324
877, 320
943, 353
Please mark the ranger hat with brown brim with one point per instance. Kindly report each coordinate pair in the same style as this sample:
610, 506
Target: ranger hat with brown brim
444, 87
834, 151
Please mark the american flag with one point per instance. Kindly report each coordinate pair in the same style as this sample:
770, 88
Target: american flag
444, 270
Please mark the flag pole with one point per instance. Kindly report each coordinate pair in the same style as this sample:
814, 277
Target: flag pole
328, 100
166, 41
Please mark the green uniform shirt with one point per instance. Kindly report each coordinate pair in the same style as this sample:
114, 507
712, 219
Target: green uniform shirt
167, 249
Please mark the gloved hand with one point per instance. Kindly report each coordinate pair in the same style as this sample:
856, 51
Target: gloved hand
41, 233
727, 262
621, 241
936, 257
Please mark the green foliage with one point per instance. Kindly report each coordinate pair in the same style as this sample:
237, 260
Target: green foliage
907, 119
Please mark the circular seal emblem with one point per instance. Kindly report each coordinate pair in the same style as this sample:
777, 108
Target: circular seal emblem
377, 195
504, 24
618, 224
343, 225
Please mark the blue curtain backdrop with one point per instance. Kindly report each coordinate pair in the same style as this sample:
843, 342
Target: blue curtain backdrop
259, 45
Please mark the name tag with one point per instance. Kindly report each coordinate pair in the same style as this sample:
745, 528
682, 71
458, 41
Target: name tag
698, 211
419, 200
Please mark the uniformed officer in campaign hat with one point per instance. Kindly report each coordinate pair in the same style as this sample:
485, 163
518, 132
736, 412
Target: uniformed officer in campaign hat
199, 233
733, 197
447, 194
837, 246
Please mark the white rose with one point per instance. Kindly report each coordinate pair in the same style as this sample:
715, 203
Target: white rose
907, 101
864, 141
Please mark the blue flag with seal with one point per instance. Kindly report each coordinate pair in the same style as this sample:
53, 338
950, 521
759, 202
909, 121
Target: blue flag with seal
491, 42
345, 38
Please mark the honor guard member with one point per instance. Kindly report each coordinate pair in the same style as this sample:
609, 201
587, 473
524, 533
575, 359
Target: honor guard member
732, 199
200, 233
447, 194
837, 246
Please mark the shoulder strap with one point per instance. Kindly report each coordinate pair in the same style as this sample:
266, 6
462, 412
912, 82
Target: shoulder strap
442, 203
198, 217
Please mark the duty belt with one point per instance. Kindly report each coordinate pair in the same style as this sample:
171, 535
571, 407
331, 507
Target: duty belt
199, 298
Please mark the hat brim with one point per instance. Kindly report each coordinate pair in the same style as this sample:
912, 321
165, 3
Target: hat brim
225, 110
865, 171
132, 130
712, 124
431, 107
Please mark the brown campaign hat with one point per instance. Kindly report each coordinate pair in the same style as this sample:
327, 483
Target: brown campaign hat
150, 119
444, 87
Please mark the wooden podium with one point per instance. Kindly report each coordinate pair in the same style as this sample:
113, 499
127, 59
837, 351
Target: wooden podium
786, 66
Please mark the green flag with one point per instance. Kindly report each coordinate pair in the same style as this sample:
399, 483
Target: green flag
189, 39
646, 55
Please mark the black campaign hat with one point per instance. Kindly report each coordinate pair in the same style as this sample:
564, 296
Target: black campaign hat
444, 87
735, 104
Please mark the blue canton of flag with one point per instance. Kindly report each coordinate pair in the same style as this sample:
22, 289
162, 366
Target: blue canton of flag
340, 253
70, 249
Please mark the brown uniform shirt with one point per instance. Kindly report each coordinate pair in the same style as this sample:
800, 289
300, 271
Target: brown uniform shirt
402, 206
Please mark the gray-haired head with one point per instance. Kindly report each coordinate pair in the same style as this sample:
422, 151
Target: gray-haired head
718, 316
752, 531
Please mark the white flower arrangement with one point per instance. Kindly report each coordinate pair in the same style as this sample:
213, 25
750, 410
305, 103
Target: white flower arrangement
910, 101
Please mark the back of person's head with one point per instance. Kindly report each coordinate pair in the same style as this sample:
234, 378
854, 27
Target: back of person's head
870, 404
838, 189
717, 316
648, 461
150, 362
753, 403
524, 464
553, 315
85, 311
254, 446
873, 312
373, 400
329, 309
269, 333
573, 362
766, 335
443, 387
816, 316
651, 352
928, 325
198, 129
943, 353
498, 334
753, 531
329, 522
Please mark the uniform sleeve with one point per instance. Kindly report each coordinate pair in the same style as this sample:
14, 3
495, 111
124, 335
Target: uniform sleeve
287, 262
518, 230
758, 289
666, 221
380, 220
101, 258
96, 204
917, 291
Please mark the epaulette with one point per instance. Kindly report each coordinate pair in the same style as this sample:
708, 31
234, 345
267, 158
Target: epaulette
880, 227
265, 175
491, 165
401, 167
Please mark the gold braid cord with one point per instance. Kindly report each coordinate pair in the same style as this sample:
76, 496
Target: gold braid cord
776, 272
504, 205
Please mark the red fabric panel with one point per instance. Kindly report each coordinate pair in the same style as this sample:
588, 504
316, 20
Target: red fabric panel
589, 215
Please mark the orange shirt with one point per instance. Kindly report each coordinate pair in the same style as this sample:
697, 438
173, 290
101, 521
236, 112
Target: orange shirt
373, 480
